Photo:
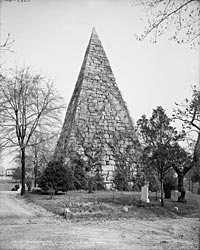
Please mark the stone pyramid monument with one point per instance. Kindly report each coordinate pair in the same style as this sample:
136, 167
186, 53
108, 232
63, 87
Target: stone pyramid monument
97, 124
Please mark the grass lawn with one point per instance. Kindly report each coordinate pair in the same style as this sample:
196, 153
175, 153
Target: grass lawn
110, 205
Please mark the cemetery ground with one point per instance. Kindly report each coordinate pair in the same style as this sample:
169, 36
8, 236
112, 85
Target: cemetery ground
98, 221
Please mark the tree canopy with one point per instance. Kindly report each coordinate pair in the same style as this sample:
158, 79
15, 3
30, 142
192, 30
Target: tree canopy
156, 136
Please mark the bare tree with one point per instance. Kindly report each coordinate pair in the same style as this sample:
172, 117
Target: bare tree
188, 113
181, 19
28, 103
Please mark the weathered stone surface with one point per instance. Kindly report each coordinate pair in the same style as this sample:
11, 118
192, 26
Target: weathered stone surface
97, 117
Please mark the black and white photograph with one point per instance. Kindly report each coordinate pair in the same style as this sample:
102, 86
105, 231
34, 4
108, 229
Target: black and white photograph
99, 124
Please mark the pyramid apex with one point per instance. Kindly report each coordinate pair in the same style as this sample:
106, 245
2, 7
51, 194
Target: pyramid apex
94, 38
94, 31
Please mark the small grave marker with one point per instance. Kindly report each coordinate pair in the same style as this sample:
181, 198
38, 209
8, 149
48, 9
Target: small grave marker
145, 194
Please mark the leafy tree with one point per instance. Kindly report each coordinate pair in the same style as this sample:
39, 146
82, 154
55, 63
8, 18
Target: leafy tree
28, 103
98, 181
138, 178
179, 18
77, 164
156, 135
56, 177
120, 182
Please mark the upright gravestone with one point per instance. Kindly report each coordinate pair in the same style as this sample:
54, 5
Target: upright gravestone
145, 194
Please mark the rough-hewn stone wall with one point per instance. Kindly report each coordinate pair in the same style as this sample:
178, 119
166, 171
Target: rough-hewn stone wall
97, 122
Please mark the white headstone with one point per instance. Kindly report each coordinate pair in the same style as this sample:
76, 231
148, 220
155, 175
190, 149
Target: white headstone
145, 194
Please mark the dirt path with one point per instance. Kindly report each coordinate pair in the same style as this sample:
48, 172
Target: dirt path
30, 227
11, 207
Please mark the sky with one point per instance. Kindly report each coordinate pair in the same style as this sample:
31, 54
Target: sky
51, 36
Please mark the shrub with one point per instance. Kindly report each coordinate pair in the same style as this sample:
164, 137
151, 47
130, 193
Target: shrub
98, 182
138, 181
64, 177
120, 182
80, 178
57, 177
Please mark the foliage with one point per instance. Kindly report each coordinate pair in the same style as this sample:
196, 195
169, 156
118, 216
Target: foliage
156, 135
78, 165
171, 180
95, 181
195, 175
138, 179
170, 183
120, 182
98, 182
181, 160
57, 177
179, 18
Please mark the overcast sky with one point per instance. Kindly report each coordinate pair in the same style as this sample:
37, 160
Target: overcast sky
51, 36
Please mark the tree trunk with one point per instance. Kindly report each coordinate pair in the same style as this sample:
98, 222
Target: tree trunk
156, 194
181, 189
51, 191
167, 191
161, 191
196, 156
90, 185
35, 176
23, 171
190, 185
